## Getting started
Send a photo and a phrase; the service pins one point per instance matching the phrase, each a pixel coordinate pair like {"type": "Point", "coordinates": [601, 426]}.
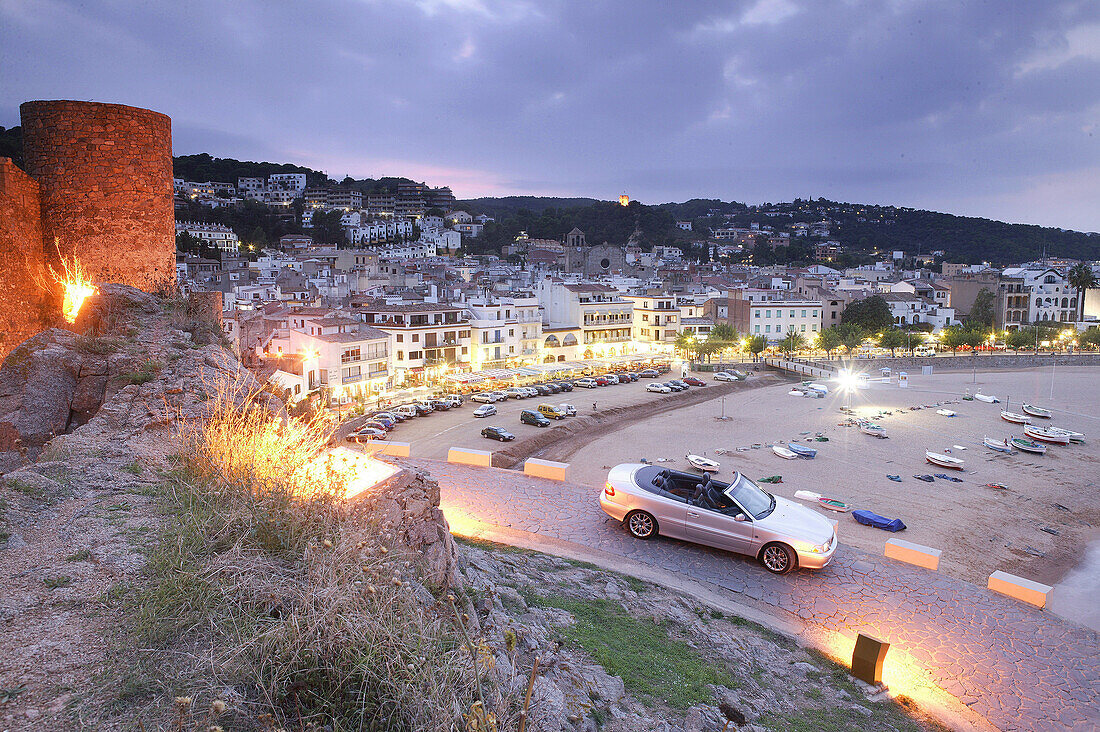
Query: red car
{"type": "Point", "coordinates": [692, 381]}
{"type": "Point", "coordinates": [601, 380]}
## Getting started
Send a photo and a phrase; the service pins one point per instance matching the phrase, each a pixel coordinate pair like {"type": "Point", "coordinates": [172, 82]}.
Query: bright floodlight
{"type": "Point", "coordinates": [847, 380]}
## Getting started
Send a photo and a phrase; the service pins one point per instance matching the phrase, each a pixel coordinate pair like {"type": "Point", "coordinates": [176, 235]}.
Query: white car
{"type": "Point", "coordinates": [568, 409]}
{"type": "Point", "coordinates": [483, 398]}
{"type": "Point", "coordinates": [724, 376]}
{"type": "Point", "coordinates": [485, 410]}
{"type": "Point", "coordinates": [530, 391]}
{"type": "Point", "coordinates": [658, 388]}
{"type": "Point", "coordinates": [500, 396]}
{"type": "Point", "coordinates": [517, 392]}
{"type": "Point", "coordinates": [586, 383]}
{"type": "Point", "coordinates": [453, 399]}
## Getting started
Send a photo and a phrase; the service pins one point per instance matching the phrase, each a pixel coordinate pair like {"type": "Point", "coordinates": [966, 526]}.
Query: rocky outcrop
{"type": "Point", "coordinates": [406, 508]}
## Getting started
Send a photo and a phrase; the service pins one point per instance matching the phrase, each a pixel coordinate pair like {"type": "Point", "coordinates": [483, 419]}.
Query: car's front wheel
{"type": "Point", "coordinates": [778, 558]}
{"type": "Point", "coordinates": [641, 525]}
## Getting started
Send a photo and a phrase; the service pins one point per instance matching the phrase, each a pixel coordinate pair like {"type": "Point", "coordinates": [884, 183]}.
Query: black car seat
{"type": "Point", "coordinates": [714, 499]}
{"type": "Point", "coordinates": [697, 496]}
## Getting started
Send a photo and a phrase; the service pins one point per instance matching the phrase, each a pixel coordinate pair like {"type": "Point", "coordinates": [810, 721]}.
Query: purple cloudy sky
{"type": "Point", "coordinates": [979, 108]}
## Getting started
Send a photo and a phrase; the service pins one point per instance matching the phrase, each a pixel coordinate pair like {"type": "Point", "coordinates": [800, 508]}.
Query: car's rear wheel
{"type": "Point", "coordinates": [641, 525]}
{"type": "Point", "coordinates": [778, 558]}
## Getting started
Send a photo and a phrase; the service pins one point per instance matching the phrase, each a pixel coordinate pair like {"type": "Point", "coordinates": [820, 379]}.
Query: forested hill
{"type": "Point", "coordinates": [203, 167]}
{"type": "Point", "coordinates": [860, 228]}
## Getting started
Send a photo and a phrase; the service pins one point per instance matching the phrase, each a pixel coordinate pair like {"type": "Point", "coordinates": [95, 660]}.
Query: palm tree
{"type": "Point", "coordinates": [685, 344]}
{"type": "Point", "coordinates": [1081, 278]}
{"type": "Point", "coordinates": [793, 341]}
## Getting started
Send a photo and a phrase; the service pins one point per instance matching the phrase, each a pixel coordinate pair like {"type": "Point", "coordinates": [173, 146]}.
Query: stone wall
{"type": "Point", "coordinates": [105, 173]}
{"type": "Point", "coordinates": [967, 362]}
{"type": "Point", "coordinates": [26, 302]}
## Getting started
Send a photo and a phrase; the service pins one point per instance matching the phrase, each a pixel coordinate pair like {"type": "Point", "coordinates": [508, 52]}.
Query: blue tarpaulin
{"type": "Point", "coordinates": [870, 518]}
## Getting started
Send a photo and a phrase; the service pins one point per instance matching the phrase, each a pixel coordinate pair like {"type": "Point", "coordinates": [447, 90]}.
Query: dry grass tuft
{"type": "Point", "coordinates": [266, 596]}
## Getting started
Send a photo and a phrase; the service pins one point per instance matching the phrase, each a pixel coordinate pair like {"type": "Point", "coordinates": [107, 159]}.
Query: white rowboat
{"type": "Point", "coordinates": [705, 464]}
{"type": "Point", "coordinates": [784, 453]}
{"type": "Point", "coordinates": [1015, 418]}
{"type": "Point", "coordinates": [998, 445]}
{"type": "Point", "coordinates": [1073, 436]}
{"type": "Point", "coordinates": [986, 398]}
{"type": "Point", "coordinates": [945, 412]}
{"type": "Point", "coordinates": [1036, 411]}
{"type": "Point", "coordinates": [870, 428]}
{"type": "Point", "coordinates": [944, 461]}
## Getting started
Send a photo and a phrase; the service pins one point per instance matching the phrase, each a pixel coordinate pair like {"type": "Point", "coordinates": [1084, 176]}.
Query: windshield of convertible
{"type": "Point", "coordinates": [752, 499]}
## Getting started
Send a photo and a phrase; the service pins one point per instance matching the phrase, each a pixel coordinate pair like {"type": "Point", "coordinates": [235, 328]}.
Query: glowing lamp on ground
{"type": "Point", "coordinates": [358, 471]}
{"type": "Point", "coordinates": [868, 657]}
{"type": "Point", "coordinates": [75, 285]}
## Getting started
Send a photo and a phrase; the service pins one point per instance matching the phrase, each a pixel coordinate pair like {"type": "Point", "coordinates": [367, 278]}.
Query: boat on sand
{"type": "Point", "coordinates": [998, 445]}
{"type": "Point", "coordinates": [986, 398]}
{"type": "Point", "coordinates": [802, 450]}
{"type": "Point", "coordinates": [944, 461]}
{"type": "Point", "coordinates": [1035, 411]}
{"type": "Point", "coordinates": [783, 452]}
{"type": "Point", "coordinates": [704, 464]}
{"type": "Point", "coordinates": [870, 428]}
{"type": "Point", "coordinates": [1015, 418]}
{"type": "Point", "coordinates": [1025, 445]}
{"type": "Point", "coordinates": [1047, 434]}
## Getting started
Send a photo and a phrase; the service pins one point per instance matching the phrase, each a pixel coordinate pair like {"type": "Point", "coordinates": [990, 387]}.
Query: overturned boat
{"type": "Point", "coordinates": [944, 461]}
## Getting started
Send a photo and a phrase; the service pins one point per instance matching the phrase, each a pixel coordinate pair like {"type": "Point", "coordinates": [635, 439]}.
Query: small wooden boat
{"type": "Point", "coordinates": [986, 398]}
{"type": "Point", "coordinates": [807, 495]}
{"type": "Point", "coordinates": [802, 450]}
{"type": "Point", "coordinates": [998, 486]}
{"type": "Point", "coordinates": [1047, 434]}
{"type": "Point", "coordinates": [870, 428]}
{"type": "Point", "coordinates": [1015, 418]}
{"type": "Point", "coordinates": [1026, 445]}
{"type": "Point", "coordinates": [783, 452]}
{"type": "Point", "coordinates": [1073, 436]}
{"type": "Point", "coordinates": [945, 412]}
{"type": "Point", "coordinates": [834, 504]}
{"type": "Point", "coordinates": [1035, 411]}
{"type": "Point", "coordinates": [704, 464]}
{"type": "Point", "coordinates": [944, 461]}
{"type": "Point", "coordinates": [998, 445]}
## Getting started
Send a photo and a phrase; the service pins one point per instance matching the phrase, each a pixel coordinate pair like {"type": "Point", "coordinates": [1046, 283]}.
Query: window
{"type": "Point", "coordinates": [400, 338]}
{"type": "Point", "coordinates": [803, 313]}
{"type": "Point", "coordinates": [464, 350]}
{"type": "Point", "coordinates": [416, 337]}
{"type": "Point", "coordinates": [803, 327]}
{"type": "Point", "coordinates": [767, 313]}
{"type": "Point", "coordinates": [413, 355]}
{"type": "Point", "coordinates": [400, 355]}
{"type": "Point", "coordinates": [813, 327]}
{"type": "Point", "coordinates": [767, 329]}
{"type": "Point", "coordinates": [757, 313]}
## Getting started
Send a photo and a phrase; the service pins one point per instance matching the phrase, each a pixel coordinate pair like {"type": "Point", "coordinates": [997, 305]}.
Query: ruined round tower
{"type": "Point", "coordinates": [105, 178]}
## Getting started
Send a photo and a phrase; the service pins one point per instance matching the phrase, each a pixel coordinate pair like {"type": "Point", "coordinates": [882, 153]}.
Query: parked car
{"type": "Point", "coordinates": [500, 395]}
{"type": "Point", "coordinates": [554, 388]}
{"type": "Point", "coordinates": [674, 386]}
{"type": "Point", "coordinates": [485, 410]}
{"type": "Point", "coordinates": [497, 433]}
{"type": "Point", "coordinates": [565, 385]}
{"type": "Point", "coordinates": [568, 409]}
{"type": "Point", "coordinates": [453, 399]}
{"type": "Point", "coordinates": [376, 425]}
{"type": "Point", "coordinates": [408, 410]}
{"type": "Point", "coordinates": [542, 389]}
{"type": "Point", "coordinates": [529, 417]}
{"type": "Point", "coordinates": [422, 408]}
{"type": "Point", "coordinates": [586, 383]}
{"type": "Point", "coordinates": [550, 411]}
{"type": "Point", "coordinates": [364, 434]}
{"type": "Point", "coordinates": [439, 405]}
{"type": "Point", "coordinates": [633, 376]}
{"type": "Point", "coordinates": [601, 380]}
{"type": "Point", "coordinates": [681, 382]}
{"type": "Point", "coordinates": [737, 516]}
{"type": "Point", "coordinates": [516, 392]}
{"type": "Point", "coordinates": [648, 374]}
{"type": "Point", "coordinates": [530, 391]}
{"type": "Point", "coordinates": [724, 376]}
{"type": "Point", "coordinates": [385, 418]}
{"type": "Point", "coordinates": [692, 381]}
{"type": "Point", "coordinates": [658, 387]}
{"type": "Point", "coordinates": [483, 398]}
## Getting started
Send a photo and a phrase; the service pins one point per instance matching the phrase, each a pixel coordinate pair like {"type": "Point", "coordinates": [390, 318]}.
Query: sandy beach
{"type": "Point", "coordinates": [1037, 528]}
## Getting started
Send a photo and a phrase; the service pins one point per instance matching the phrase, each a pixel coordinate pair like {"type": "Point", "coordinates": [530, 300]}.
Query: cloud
{"type": "Point", "coordinates": [973, 106]}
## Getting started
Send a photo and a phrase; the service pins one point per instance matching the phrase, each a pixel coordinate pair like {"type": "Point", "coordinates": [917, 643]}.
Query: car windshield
{"type": "Point", "coordinates": [757, 502]}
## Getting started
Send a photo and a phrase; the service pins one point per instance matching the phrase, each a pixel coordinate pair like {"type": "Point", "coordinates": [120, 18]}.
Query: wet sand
{"type": "Point", "coordinates": [979, 529]}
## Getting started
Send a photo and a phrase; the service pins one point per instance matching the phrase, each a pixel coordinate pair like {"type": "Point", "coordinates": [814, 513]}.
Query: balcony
{"type": "Point", "coordinates": [491, 341]}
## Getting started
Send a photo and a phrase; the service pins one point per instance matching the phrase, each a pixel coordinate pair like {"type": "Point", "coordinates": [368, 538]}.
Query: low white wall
{"type": "Point", "coordinates": [907, 551]}
{"type": "Point", "coordinates": [546, 469]}
{"type": "Point", "coordinates": [469, 456]}
{"type": "Point", "coordinates": [396, 449]}
{"type": "Point", "coordinates": [1033, 593]}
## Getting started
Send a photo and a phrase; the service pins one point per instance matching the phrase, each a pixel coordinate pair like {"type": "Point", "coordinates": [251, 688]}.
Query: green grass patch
{"type": "Point", "coordinates": [651, 663]}
{"type": "Point", "coordinates": [145, 374]}
{"type": "Point", "coordinates": [80, 555]}
{"type": "Point", "coordinates": [134, 468]}
{"type": "Point", "coordinates": [31, 491]}
{"type": "Point", "coordinates": [99, 345]}
{"type": "Point", "coordinates": [492, 546]}
{"type": "Point", "coordinates": [55, 582]}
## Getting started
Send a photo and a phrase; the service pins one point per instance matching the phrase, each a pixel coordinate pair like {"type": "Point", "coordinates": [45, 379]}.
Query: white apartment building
{"type": "Point", "coordinates": [426, 339]}
{"type": "Point", "coordinates": [288, 182]}
{"type": "Point", "coordinates": [216, 235]}
{"type": "Point", "coordinates": [775, 319]}
{"type": "Point", "coordinates": [410, 250]}
{"type": "Point", "coordinates": [378, 230]}
{"type": "Point", "coordinates": [907, 308]}
{"type": "Point", "coordinates": [605, 318]}
{"type": "Point", "coordinates": [505, 331]}
{"type": "Point", "coordinates": [323, 350]}
{"type": "Point", "coordinates": [655, 322]}
{"type": "Point", "coordinates": [1051, 297]}
{"type": "Point", "coordinates": [251, 187]}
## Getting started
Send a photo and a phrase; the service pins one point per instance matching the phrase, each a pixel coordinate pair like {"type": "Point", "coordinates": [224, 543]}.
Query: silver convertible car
{"type": "Point", "coordinates": [737, 516]}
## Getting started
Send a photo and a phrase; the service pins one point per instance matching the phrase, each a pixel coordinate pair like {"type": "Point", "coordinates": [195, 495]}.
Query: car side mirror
{"type": "Point", "coordinates": [740, 517]}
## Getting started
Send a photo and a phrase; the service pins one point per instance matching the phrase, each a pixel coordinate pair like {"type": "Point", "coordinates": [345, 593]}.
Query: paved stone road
{"type": "Point", "coordinates": [1018, 667]}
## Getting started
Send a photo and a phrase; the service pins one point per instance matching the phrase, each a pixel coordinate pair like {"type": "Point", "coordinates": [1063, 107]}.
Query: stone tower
{"type": "Point", "coordinates": [105, 177]}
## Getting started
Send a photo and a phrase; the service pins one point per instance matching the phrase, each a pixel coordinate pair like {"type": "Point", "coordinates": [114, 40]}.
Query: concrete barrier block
{"type": "Point", "coordinates": [907, 551]}
{"type": "Point", "coordinates": [1033, 593]}
{"type": "Point", "coordinates": [546, 469]}
{"type": "Point", "coordinates": [385, 447]}
{"type": "Point", "coordinates": [469, 456]}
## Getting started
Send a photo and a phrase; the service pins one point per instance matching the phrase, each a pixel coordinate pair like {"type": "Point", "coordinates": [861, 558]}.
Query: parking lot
{"type": "Point", "coordinates": [432, 435]}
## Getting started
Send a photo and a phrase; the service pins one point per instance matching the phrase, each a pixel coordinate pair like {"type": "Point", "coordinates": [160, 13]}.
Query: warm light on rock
{"type": "Point", "coordinates": [75, 286]}
{"type": "Point", "coordinates": [358, 472]}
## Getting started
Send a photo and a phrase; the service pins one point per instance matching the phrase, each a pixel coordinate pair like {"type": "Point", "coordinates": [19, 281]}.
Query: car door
{"type": "Point", "coordinates": [719, 529]}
